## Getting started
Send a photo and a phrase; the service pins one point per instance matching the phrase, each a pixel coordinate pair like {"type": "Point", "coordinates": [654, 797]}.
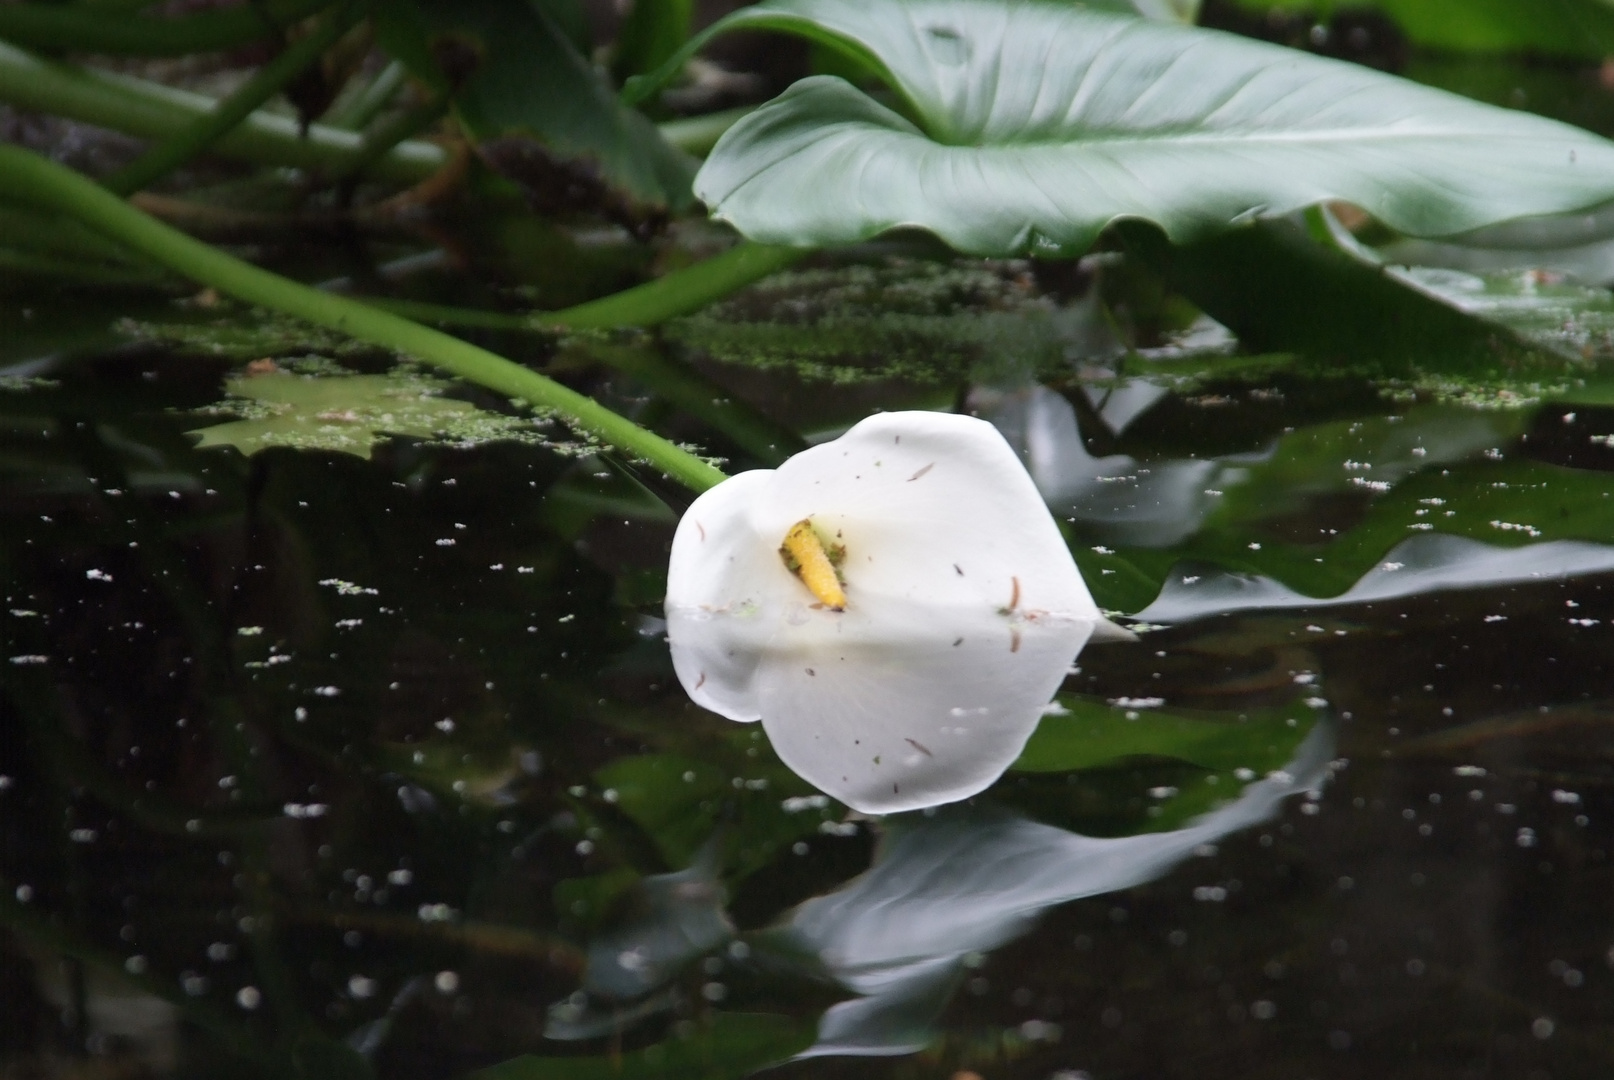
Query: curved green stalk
{"type": "Point", "coordinates": [698, 134]}
{"type": "Point", "coordinates": [354, 112]}
{"type": "Point", "coordinates": [680, 292]}
{"type": "Point", "coordinates": [153, 111]}
{"type": "Point", "coordinates": [380, 140]}
{"type": "Point", "coordinates": [204, 131]}
{"type": "Point", "coordinates": [28, 177]}
{"type": "Point", "coordinates": [62, 26]}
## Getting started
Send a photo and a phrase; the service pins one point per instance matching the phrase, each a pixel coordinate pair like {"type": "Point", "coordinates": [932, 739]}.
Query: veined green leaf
{"type": "Point", "coordinates": [1027, 127]}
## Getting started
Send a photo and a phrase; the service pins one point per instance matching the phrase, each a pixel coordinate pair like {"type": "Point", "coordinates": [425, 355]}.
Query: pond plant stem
{"type": "Point", "coordinates": [204, 131]}
{"type": "Point", "coordinates": [355, 113]}
{"type": "Point", "coordinates": [27, 177]}
{"type": "Point", "coordinates": [153, 111]}
{"type": "Point", "coordinates": [680, 292]}
{"type": "Point", "coordinates": [80, 28]}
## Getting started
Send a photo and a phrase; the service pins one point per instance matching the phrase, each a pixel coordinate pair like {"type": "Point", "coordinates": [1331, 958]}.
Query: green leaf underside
{"type": "Point", "coordinates": [1034, 125]}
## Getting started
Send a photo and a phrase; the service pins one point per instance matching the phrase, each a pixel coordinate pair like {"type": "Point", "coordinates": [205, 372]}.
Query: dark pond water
{"type": "Point", "coordinates": [317, 764]}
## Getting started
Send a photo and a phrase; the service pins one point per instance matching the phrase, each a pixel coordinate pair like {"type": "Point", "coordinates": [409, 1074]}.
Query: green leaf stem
{"type": "Point", "coordinates": [266, 82]}
{"type": "Point", "coordinates": [153, 111]}
{"type": "Point", "coordinates": [27, 177]}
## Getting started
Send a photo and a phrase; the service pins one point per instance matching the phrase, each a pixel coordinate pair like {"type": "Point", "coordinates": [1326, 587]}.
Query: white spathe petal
{"type": "Point", "coordinates": [722, 581]}
{"type": "Point", "coordinates": [964, 609]}
{"type": "Point", "coordinates": [930, 506]}
{"type": "Point", "coordinates": [904, 710]}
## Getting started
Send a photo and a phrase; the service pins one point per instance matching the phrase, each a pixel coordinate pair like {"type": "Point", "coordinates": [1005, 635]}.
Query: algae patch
{"type": "Point", "coordinates": [918, 322]}
{"type": "Point", "coordinates": [352, 413]}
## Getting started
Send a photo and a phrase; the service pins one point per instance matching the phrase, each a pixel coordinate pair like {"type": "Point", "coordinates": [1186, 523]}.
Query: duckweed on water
{"type": "Point", "coordinates": [918, 322]}
{"type": "Point", "coordinates": [312, 408]}
{"type": "Point", "coordinates": [227, 331]}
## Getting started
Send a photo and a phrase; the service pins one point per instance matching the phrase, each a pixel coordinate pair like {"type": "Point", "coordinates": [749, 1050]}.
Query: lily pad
{"type": "Point", "coordinates": [1000, 151]}
{"type": "Point", "coordinates": [352, 413]}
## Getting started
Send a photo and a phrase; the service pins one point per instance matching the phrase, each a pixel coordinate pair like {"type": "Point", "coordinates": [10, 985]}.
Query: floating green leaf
{"type": "Point", "coordinates": [998, 149]}
{"type": "Point", "coordinates": [351, 413]}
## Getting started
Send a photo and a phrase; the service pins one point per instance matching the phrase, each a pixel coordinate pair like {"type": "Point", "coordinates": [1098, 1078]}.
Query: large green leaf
{"type": "Point", "coordinates": [1029, 126]}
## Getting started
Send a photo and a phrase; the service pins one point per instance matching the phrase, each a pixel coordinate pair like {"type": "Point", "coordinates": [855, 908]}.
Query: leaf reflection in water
{"type": "Point", "coordinates": [944, 886]}
{"type": "Point", "coordinates": [963, 609]}
{"type": "Point", "coordinates": [1162, 503]}
{"type": "Point", "coordinates": [970, 880]}
{"type": "Point", "coordinates": [1421, 564]}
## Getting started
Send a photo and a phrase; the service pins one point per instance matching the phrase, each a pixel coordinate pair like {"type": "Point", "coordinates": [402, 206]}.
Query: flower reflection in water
{"type": "Point", "coordinates": [896, 606]}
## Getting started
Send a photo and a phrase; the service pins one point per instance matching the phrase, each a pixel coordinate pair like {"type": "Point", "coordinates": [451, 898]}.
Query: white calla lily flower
{"type": "Point", "coordinates": [896, 607]}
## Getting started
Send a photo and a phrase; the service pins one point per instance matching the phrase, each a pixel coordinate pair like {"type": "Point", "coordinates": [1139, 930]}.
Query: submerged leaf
{"type": "Point", "coordinates": [999, 150]}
